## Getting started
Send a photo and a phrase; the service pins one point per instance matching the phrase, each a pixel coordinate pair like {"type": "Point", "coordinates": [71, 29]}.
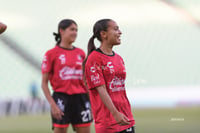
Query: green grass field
{"type": "Point", "coordinates": [166, 120]}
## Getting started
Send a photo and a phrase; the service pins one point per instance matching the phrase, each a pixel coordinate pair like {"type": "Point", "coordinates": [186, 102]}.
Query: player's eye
{"type": "Point", "coordinates": [116, 28]}
{"type": "Point", "coordinates": [74, 29]}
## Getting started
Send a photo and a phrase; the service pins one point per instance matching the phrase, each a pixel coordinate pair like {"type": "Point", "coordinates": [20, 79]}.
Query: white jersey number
{"type": "Point", "coordinates": [86, 115]}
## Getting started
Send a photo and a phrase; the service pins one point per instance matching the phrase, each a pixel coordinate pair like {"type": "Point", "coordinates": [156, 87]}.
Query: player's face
{"type": "Point", "coordinates": [113, 33]}
{"type": "Point", "coordinates": [70, 33]}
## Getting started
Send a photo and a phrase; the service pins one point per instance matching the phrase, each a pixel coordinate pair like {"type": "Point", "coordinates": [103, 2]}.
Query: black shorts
{"type": "Point", "coordinates": [129, 130]}
{"type": "Point", "coordinates": [76, 109]}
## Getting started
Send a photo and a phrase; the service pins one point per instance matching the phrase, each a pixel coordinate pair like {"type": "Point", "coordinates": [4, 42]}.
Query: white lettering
{"type": "Point", "coordinates": [95, 79]}
{"type": "Point", "coordinates": [117, 84]}
{"type": "Point", "coordinates": [70, 73]}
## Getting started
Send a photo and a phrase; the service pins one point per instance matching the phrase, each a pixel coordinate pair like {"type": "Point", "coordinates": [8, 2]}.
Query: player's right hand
{"type": "Point", "coordinates": [56, 112]}
{"type": "Point", "coordinates": [121, 119]}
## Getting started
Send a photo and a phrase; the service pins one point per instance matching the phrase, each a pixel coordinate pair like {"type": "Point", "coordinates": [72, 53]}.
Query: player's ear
{"type": "Point", "coordinates": [103, 34]}
{"type": "Point", "coordinates": [61, 31]}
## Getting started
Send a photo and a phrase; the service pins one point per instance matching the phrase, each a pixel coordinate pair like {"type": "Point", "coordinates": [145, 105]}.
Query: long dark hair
{"type": "Point", "coordinates": [63, 24]}
{"type": "Point", "coordinates": [99, 26]}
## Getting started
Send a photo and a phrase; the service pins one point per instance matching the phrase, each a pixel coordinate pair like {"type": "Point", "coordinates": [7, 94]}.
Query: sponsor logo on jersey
{"type": "Point", "coordinates": [95, 68]}
{"type": "Point", "coordinates": [117, 84]}
{"type": "Point", "coordinates": [45, 58]}
{"type": "Point", "coordinates": [44, 65]}
{"type": "Point", "coordinates": [62, 58]}
{"type": "Point", "coordinates": [87, 105]}
{"type": "Point", "coordinates": [110, 66]}
{"type": "Point", "coordinates": [79, 63]}
{"type": "Point", "coordinates": [92, 69]}
{"type": "Point", "coordinates": [67, 73]}
{"type": "Point", "coordinates": [95, 78]}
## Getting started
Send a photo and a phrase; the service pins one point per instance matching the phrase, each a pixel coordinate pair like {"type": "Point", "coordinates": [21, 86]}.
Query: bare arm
{"type": "Point", "coordinates": [119, 117]}
{"type": "Point", "coordinates": [56, 112]}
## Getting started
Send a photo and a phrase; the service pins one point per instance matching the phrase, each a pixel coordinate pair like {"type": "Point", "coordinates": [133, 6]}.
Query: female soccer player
{"type": "Point", "coordinates": [62, 66]}
{"type": "Point", "coordinates": [105, 75]}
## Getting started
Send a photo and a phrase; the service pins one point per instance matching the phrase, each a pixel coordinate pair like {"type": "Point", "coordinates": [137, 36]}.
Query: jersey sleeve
{"type": "Point", "coordinates": [122, 60]}
{"type": "Point", "coordinates": [94, 74]}
{"type": "Point", "coordinates": [47, 63]}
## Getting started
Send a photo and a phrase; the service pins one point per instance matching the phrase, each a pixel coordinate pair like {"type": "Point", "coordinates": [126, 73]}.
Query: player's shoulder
{"type": "Point", "coordinates": [52, 51]}
{"type": "Point", "coordinates": [118, 56]}
{"type": "Point", "coordinates": [94, 55]}
{"type": "Point", "coordinates": [79, 50]}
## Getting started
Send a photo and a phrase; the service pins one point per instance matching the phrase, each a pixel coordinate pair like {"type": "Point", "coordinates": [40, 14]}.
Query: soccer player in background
{"type": "Point", "coordinates": [105, 75]}
{"type": "Point", "coordinates": [2, 27]}
{"type": "Point", "coordinates": [62, 66]}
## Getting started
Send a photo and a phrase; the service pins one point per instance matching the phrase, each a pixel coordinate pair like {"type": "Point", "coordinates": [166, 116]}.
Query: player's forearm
{"type": "Point", "coordinates": [47, 94]}
{"type": "Point", "coordinates": [106, 99]}
{"type": "Point", "coordinates": [46, 90]}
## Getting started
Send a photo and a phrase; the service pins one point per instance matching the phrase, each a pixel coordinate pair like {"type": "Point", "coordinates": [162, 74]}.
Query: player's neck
{"type": "Point", "coordinates": [106, 49]}
{"type": "Point", "coordinates": [66, 45]}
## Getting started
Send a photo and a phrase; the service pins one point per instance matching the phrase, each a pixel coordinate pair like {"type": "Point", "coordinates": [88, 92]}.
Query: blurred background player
{"type": "Point", "coordinates": [62, 66]}
{"type": "Point", "coordinates": [105, 74]}
{"type": "Point", "coordinates": [3, 27]}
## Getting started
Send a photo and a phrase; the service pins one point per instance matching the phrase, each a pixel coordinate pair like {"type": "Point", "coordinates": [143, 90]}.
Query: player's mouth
{"type": "Point", "coordinates": [119, 38]}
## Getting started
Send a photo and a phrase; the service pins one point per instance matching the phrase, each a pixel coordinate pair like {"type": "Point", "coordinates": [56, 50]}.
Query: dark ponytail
{"type": "Point", "coordinates": [57, 38]}
{"type": "Point", "coordinates": [65, 23]}
{"type": "Point", "coordinates": [91, 45]}
{"type": "Point", "coordinates": [99, 26]}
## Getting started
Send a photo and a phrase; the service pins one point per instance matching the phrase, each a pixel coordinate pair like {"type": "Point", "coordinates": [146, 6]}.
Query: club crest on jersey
{"type": "Point", "coordinates": [62, 58]}
{"type": "Point", "coordinates": [79, 58]}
